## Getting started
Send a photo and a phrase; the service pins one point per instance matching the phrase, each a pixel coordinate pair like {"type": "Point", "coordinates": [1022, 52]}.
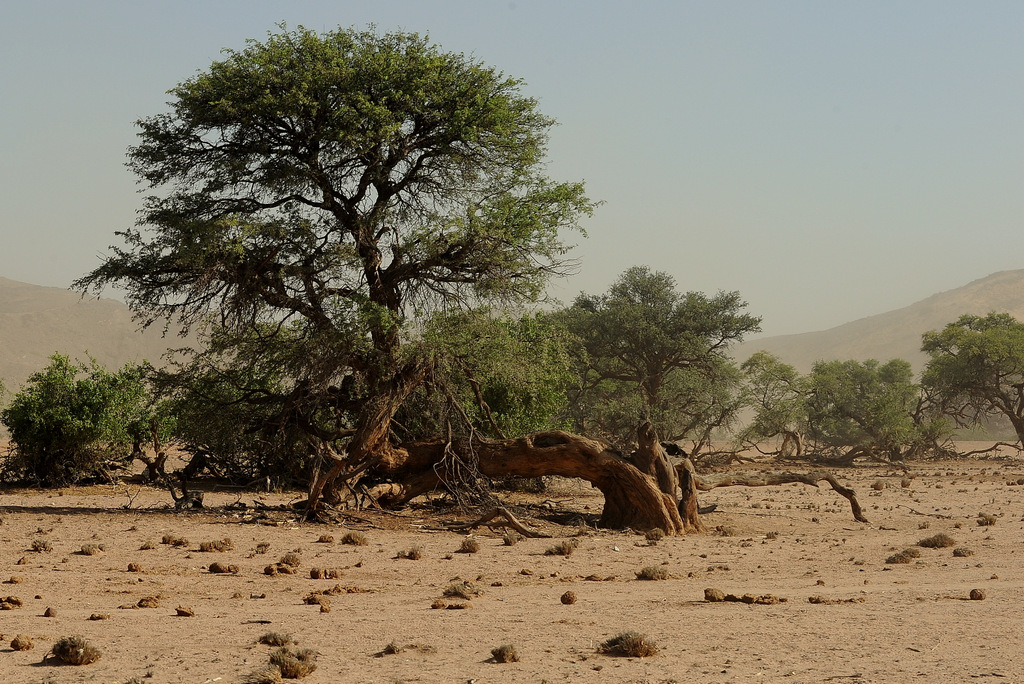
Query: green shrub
{"type": "Point", "coordinates": [75, 422]}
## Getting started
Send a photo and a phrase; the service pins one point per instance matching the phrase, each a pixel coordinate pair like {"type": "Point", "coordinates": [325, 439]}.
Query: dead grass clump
{"type": "Point", "coordinates": [469, 545]}
{"type": "Point", "coordinates": [261, 548]}
{"type": "Point", "coordinates": [652, 572]}
{"type": "Point", "coordinates": [505, 653]}
{"type": "Point", "coordinates": [220, 546]}
{"type": "Point", "coordinates": [903, 557]}
{"type": "Point", "coordinates": [173, 540]}
{"type": "Point", "coordinates": [147, 545]}
{"type": "Point", "coordinates": [631, 644]}
{"type": "Point", "coordinates": [566, 547]}
{"type": "Point", "coordinates": [22, 642]}
{"type": "Point", "coordinates": [725, 531]}
{"type": "Point", "coordinates": [219, 568]}
{"type": "Point", "coordinates": [415, 553]}
{"type": "Point", "coordinates": [325, 539]}
{"type": "Point", "coordinates": [268, 675]}
{"type": "Point", "coordinates": [276, 639]}
{"type": "Point", "coordinates": [462, 590]}
{"type": "Point", "coordinates": [986, 520]}
{"type": "Point", "coordinates": [41, 546]}
{"type": "Point", "coordinates": [354, 539]}
{"type": "Point", "coordinates": [511, 538]}
{"type": "Point", "coordinates": [75, 650]}
{"type": "Point", "coordinates": [90, 550]}
{"type": "Point", "coordinates": [294, 664]}
{"type": "Point", "coordinates": [10, 603]}
{"type": "Point", "coordinates": [938, 541]}
{"type": "Point", "coordinates": [772, 536]}
{"type": "Point", "coordinates": [962, 552]}
{"type": "Point", "coordinates": [654, 536]}
{"type": "Point", "coordinates": [291, 559]}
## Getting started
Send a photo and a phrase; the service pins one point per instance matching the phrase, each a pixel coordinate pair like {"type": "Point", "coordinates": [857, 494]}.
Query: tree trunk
{"type": "Point", "coordinates": [688, 509]}
{"type": "Point", "coordinates": [650, 458]}
{"type": "Point", "coordinates": [632, 499]}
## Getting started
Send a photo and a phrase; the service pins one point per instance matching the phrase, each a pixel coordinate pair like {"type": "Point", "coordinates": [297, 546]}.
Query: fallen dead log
{"type": "Point", "coordinates": [706, 483]}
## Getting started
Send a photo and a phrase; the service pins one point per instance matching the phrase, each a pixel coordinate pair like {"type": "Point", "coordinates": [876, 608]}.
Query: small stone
{"type": "Point", "coordinates": [185, 611]}
{"type": "Point", "coordinates": [50, 612]}
{"type": "Point", "coordinates": [977, 594]}
{"type": "Point", "coordinates": [569, 598]}
{"type": "Point", "coordinates": [714, 595]}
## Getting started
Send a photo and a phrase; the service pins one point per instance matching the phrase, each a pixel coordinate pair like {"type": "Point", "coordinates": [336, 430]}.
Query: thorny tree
{"type": "Point", "coordinates": [314, 193]}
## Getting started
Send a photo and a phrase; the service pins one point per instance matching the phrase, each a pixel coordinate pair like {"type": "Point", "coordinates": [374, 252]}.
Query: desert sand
{"type": "Point", "coordinates": [871, 621]}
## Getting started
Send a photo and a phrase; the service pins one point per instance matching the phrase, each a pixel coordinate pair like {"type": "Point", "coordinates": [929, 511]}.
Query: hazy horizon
{"type": "Point", "coordinates": [829, 161]}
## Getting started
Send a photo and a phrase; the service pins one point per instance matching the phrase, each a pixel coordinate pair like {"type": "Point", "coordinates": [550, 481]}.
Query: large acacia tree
{"type": "Point", "coordinates": [312, 194]}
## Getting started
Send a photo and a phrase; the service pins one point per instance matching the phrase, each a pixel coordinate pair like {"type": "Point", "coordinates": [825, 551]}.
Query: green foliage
{"type": "Point", "coordinates": [650, 352]}
{"type": "Point", "coordinates": [870, 409]}
{"type": "Point", "coordinates": [508, 376]}
{"type": "Point", "coordinates": [72, 422]}
{"type": "Point", "coordinates": [976, 369]}
{"type": "Point", "coordinates": [317, 194]}
{"type": "Point", "coordinates": [777, 394]}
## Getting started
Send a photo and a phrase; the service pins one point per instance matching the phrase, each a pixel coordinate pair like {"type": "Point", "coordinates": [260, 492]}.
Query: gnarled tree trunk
{"type": "Point", "coordinates": [632, 498]}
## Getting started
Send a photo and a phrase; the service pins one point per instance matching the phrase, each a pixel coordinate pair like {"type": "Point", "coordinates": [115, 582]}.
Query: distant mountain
{"type": "Point", "coordinates": [896, 334]}
{"type": "Point", "coordinates": [37, 321]}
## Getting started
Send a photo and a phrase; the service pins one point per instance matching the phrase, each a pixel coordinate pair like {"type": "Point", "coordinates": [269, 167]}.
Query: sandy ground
{"type": "Point", "coordinates": [890, 623]}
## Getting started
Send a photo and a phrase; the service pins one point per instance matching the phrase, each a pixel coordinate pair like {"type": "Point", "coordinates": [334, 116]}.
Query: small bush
{"type": "Point", "coordinates": [90, 550]}
{"type": "Point", "coordinates": [463, 590]}
{"type": "Point", "coordinates": [75, 650]}
{"type": "Point", "coordinates": [268, 675]}
{"type": "Point", "coordinates": [148, 545]}
{"type": "Point", "coordinates": [294, 664]}
{"type": "Point", "coordinates": [654, 536]}
{"type": "Point", "coordinates": [986, 520]}
{"type": "Point", "coordinates": [221, 546]}
{"type": "Point", "coordinates": [962, 552]}
{"type": "Point", "coordinates": [469, 545]}
{"type": "Point", "coordinates": [903, 557]}
{"type": "Point", "coordinates": [631, 644]}
{"type": "Point", "coordinates": [511, 538]}
{"type": "Point", "coordinates": [218, 568]}
{"type": "Point", "coordinates": [291, 559]}
{"type": "Point", "coordinates": [325, 539]}
{"type": "Point", "coordinates": [41, 546]}
{"type": "Point", "coordinates": [566, 547]}
{"type": "Point", "coordinates": [276, 639]}
{"type": "Point", "coordinates": [939, 541]}
{"type": "Point", "coordinates": [173, 540]}
{"type": "Point", "coordinates": [505, 654]}
{"type": "Point", "coordinates": [261, 548]}
{"type": "Point", "coordinates": [652, 572]}
{"type": "Point", "coordinates": [415, 553]}
{"type": "Point", "coordinates": [354, 539]}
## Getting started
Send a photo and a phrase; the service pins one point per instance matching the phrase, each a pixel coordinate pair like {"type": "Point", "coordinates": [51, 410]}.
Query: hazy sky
{"type": "Point", "coordinates": [829, 160]}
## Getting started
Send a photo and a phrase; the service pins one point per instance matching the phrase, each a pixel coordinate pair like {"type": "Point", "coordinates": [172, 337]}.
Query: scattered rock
{"type": "Point", "coordinates": [977, 594]}
{"type": "Point", "coordinates": [569, 598]}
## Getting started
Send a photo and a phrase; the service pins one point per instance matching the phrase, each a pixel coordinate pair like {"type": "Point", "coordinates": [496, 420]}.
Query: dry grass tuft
{"type": "Point", "coordinates": [938, 541]}
{"type": "Point", "coordinates": [354, 539]}
{"type": "Point", "coordinates": [903, 557]}
{"type": "Point", "coordinates": [148, 545]}
{"type": "Point", "coordinates": [325, 539]}
{"type": "Point", "coordinates": [41, 545]}
{"type": "Point", "coordinates": [631, 644]}
{"type": "Point", "coordinates": [261, 548]}
{"type": "Point", "coordinates": [962, 552]}
{"type": "Point", "coordinates": [469, 545]}
{"type": "Point", "coordinates": [22, 642]}
{"type": "Point", "coordinates": [652, 572]}
{"type": "Point", "coordinates": [462, 590]}
{"type": "Point", "coordinates": [566, 547]}
{"type": "Point", "coordinates": [415, 553]}
{"type": "Point", "coordinates": [986, 520]}
{"type": "Point", "coordinates": [219, 568]}
{"type": "Point", "coordinates": [220, 546]}
{"type": "Point", "coordinates": [511, 538]}
{"type": "Point", "coordinates": [75, 650]}
{"type": "Point", "coordinates": [291, 559]}
{"type": "Point", "coordinates": [276, 639]}
{"type": "Point", "coordinates": [294, 664]}
{"type": "Point", "coordinates": [268, 675]}
{"type": "Point", "coordinates": [505, 653]}
{"type": "Point", "coordinates": [654, 536]}
{"type": "Point", "coordinates": [173, 540]}
{"type": "Point", "coordinates": [90, 550]}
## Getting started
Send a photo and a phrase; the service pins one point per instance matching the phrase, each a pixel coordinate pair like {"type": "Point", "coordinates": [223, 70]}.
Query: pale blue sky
{"type": "Point", "coordinates": [829, 160]}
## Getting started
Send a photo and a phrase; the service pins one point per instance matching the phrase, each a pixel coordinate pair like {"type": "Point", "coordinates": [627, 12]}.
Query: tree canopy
{"type": "Point", "coordinates": [976, 369]}
{"type": "Point", "coordinates": [651, 352]}
{"type": "Point", "coordinates": [312, 194]}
